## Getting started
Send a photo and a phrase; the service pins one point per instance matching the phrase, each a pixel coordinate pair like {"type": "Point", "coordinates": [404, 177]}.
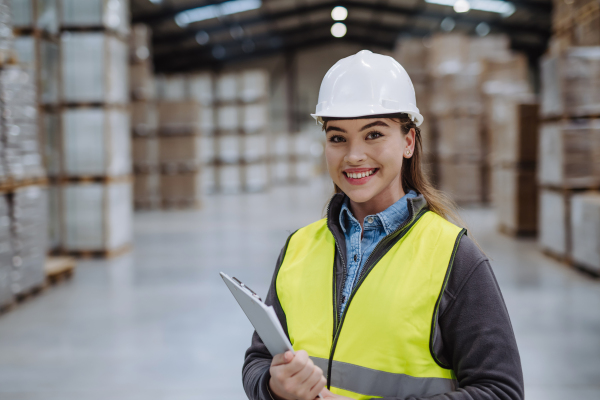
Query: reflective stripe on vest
{"type": "Point", "coordinates": [381, 347]}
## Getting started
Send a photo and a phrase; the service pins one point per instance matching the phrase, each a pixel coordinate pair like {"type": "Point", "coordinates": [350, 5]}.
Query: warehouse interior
{"type": "Point", "coordinates": [147, 145]}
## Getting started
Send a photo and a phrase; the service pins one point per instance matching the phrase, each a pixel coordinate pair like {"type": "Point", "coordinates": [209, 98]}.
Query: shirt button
{"type": "Point", "coordinates": [355, 258]}
{"type": "Point", "coordinates": [370, 220]}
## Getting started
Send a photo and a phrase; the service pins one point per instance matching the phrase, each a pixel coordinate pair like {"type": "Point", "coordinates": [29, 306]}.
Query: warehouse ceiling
{"type": "Point", "coordinates": [285, 26]}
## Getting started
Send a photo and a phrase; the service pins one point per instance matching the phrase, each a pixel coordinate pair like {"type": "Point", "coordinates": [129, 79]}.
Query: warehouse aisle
{"type": "Point", "coordinates": [159, 323]}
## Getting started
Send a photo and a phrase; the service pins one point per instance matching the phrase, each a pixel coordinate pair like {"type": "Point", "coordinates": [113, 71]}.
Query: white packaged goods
{"type": "Point", "coordinates": [227, 87]}
{"type": "Point", "coordinates": [6, 254]}
{"type": "Point", "coordinates": [280, 145]}
{"type": "Point", "coordinates": [228, 148]}
{"type": "Point", "coordinates": [29, 240]}
{"type": "Point", "coordinates": [95, 68]}
{"type": "Point", "coordinates": [256, 177]}
{"type": "Point", "coordinates": [585, 228]}
{"type": "Point", "coordinates": [141, 79]}
{"type": "Point", "coordinates": [448, 53]}
{"type": "Point", "coordinates": [50, 138]}
{"type": "Point", "coordinates": [200, 88]}
{"type": "Point", "coordinates": [54, 229]}
{"type": "Point", "coordinates": [144, 118]}
{"type": "Point", "coordinates": [97, 216]}
{"type": "Point", "coordinates": [208, 180]}
{"type": "Point", "coordinates": [181, 189]}
{"type": "Point", "coordinates": [281, 171]}
{"type": "Point", "coordinates": [554, 229]}
{"type": "Point", "coordinates": [96, 142]}
{"type": "Point", "coordinates": [301, 143]}
{"type": "Point", "coordinates": [26, 52]}
{"type": "Point", "coordinates": [506, 76]}
{"type": "Point", "coordinates": [183, 118]}
{"type": "Point", "coordinates": [6, 28]}
{"type": "Point", "coordinates": [411, 53]}
{"type": "Point", "coordinates": [229, 178]}
{"type": "Point", "coordinates": [254, 85]}
{"type": "Point", "coordinates": [462, 181]}
{"type": "Point", "coordinates": [228, 118]}
{"type": "Point", "coordinates": [146, 190]}
{"type": "Point", "coordinates": [570, 83]}
{"type": "Point", "coordinates": [40, 14]}
{"type": "Point", "coordinates": [460, 138]}
{"type": "Point", "coordinates": [514, 130]}
{"type": "Point", "coordinates": [569, 154]}
{"type": "Point", "coordinates": [207, 149]}
{"type": "Point", "coordinates": [180, 153]}
{"type": "Point", "coordinates": [515, 200]}
{"type": "Point", "coordinates": [111, 14]}
{"type": "Point", "coordinates": [254, 147]}
{"type": "Point", "coordinates": [172, 88]}
{"type": "Point", "coordinates": [45, 67]}
{"type": "Point", "coordinates": [22, 155]}
{"type": "Point", "coordinates": [255, 117]}
{"type": "Point", "coordinates": [145, 153]}
{"type": "Point", "coordinates": [140, 42]}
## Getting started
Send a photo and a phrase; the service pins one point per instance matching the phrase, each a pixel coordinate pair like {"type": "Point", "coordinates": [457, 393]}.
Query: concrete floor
{"type": "Point", "coordinates": [160, 324]}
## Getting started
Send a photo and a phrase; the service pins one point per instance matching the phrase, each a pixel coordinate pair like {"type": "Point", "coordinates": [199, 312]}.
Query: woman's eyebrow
{"type": "Point", "coordinates": [334, 128]}
{"type": "Point", "coordinates": [372, 124]}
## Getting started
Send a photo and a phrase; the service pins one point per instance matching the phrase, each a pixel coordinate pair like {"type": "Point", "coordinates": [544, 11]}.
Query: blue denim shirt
{"type": "Point", "coordinates": [376, 228]}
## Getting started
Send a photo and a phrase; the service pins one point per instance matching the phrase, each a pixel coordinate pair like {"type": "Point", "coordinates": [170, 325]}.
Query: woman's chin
{"type": "Point", "coordinates": [361, 195]}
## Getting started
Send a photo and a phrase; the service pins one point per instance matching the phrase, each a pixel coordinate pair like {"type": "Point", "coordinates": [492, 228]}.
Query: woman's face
{"type": "Point", "coordinates": [364, 157]}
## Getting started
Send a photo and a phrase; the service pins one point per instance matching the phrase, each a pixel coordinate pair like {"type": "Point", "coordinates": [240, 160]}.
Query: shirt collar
{"type": "Point", "coordinates": [391, 218]}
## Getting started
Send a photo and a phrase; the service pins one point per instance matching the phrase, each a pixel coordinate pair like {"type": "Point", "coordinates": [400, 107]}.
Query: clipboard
{"type": "Point", "coordinates": [262, 316]}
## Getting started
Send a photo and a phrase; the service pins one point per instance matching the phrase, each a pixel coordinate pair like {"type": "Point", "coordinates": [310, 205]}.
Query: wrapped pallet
{"type": "Point", "coordinates": [6, 254]}
{"type": "Point", "coordinates": [182, 190]}
{"type": "Point", "coordinates": [184, 118]}
{"type": "Point", "coordinates": [256, 176]}
{"type": "Point", "coordinates": [96, 142]}
{"type": "Point", "coordinates": [229, 178]}
{"type": "Point", "coordinates": [207, 149]}
{"type": "Point", "coordinates": [227, 87]}
{"type": "Point", "coordinates": [50, 138]}
{"type": "Point", "coordinates": [585, 228]}
{"type": "Point", "coordinates": [281, 171]}
{"type": "Point", "coordinates": [208, 181]}
{"type": "Point", "coordinates": [228, 119]}
{"type": "Point", "coordinates": [253, 85]}
{"type": "Point", "coordinates": [29, 240]}
{"type": "Point", "coordinates": [54, 218]}
{"type": "Point", "coordinates": [569, 154]}
{"type": "Point", "coordinates": [229, 148]}
{"type": "Point", "coordinates": [180, 153]}
{"type": "Point", "coordinates": [462, 181]}
{"type": "Point", "coordinates": [97, 216]}
{"type": "Point", "coordinates": [460, 138]}
{"type": "Point", "coordinates": [41, 58]}
{"type": "Point", "coordinates": [514, 126]}
{"type": "Point", "coordinates": [96, 14]}
{"type": "Point", "coordinates": [6, 32]}
{"type": "Point", "coordinates": [254, 117]}
{"type": "Point", "coordinates": [140, 41]}
{"type": "Point", "coordinates": [254, 147]}
{"type": "Point", "coordinates": [570, 83]}
{"type": "Point", "coordinates": [22, 155]}
{"type": "Point", "coordinates": [142, 82]}
{"type": "Point", "coordinates": [144, 118]}
{"type": "Point", "coordinates": [554, 225]}
{"type": "Point", "coordinates": [146, 190]}
{"type": "Point", "coordinates": [172, 88]}
{"type": "Point", "coordinates": [200, 88]}
{"type": "Point", "coordinates": [515, 200]}
{"type": "Point", "coordinates": [95, 68]}
{"type": "Point", "coordinates": [35, 14]}
{"type": "Point", "coordinates": [146, 156]}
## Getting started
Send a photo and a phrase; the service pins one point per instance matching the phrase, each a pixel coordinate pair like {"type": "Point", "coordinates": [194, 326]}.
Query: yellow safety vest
{"type": "Point", "coordinates": [380, 345]}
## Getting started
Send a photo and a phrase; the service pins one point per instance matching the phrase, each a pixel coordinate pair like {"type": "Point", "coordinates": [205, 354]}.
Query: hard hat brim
{"type": "Point", "coordinates": [416, 117]}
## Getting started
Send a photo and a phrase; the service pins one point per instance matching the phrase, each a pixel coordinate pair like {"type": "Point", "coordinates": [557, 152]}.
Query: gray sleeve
{"type": "Point", "coordinates": [476, 338]}
{"type": "Point", "coordinates": [255, 372]}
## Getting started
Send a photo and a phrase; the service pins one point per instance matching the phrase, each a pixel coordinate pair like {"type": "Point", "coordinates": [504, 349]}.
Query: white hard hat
{"type": "Point", "coordinates": [367, 84]}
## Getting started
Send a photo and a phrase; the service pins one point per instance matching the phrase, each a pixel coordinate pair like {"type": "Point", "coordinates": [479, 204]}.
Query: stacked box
{"type": "Point", "coordinates": [554, 222]}
{"type": "Point", "coordinates": [576, 23]}
{"type": "Point", "coordinates": [144, 120]}
{"type": "Point", "coordinates": [95, 141]}
{"type": "Point", "coordinates": [6, 254]}
{"type": "Point", "coordinates": [35, 15]}
{"type": "Point", "coordinates": [281, 154]}
{"type": "Point", "coordinates": [585, 225]}
{"type": "Point", "coordinates": [6, 32]}
{"type": "Point", "coordinates": [29, 238]}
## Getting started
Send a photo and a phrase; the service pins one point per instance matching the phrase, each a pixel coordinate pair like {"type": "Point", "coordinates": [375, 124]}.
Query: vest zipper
{"type": "Point", "coordinates": [338, 325]}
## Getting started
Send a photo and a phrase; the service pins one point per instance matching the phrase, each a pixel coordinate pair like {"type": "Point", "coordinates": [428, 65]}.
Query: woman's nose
{"type": "Point", "coordinates": [356, 154]}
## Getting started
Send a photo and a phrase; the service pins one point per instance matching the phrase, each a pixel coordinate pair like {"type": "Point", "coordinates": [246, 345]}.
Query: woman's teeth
{"type": "Point", "coordinates": [360, 174]}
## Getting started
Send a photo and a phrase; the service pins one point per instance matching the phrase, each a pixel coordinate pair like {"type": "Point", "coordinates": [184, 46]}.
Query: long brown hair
{"type": "Point", "coordinates": [413, 175]}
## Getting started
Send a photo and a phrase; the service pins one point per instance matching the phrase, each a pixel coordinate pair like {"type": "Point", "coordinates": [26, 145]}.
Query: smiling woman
{"type": "Point", "coordinates": [384, 297]}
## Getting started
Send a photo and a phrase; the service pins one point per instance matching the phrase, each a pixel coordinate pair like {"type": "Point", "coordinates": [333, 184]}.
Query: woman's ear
{"type": "Point", "coordinates": [410, 141]}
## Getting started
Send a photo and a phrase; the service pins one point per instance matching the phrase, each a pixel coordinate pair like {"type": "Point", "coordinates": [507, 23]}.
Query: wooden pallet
{"type": "Point", "coordinates": [59, 268]}
{"type": "Point", "coordinates": [7, 307]}
{"type": "Point", "coordinates": [96, 254]}
{"type": "Point", "coordinates": [30, 293]}
{"type": "Point", "coordinates": [562, 258]}
{"type": "Point", "coordinates": [514, 232]}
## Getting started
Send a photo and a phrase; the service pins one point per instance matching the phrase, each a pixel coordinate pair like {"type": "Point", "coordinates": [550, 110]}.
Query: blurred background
{"type": "Point", "coordinates": [146, 145]}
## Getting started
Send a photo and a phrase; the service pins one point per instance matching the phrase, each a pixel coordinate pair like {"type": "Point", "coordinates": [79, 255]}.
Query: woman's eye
{"type": "Point", "coordinates": [337, 139]}
{"type": "Point", "coordinates": [374, 135]}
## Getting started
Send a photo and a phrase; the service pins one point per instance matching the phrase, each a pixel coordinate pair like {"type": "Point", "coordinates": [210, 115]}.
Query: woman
{"type": "Point", "coordinates": [384, 297]}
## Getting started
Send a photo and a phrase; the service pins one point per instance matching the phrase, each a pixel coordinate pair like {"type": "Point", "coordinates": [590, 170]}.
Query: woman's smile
{"type": "Point", "coordinates": [359, 176]}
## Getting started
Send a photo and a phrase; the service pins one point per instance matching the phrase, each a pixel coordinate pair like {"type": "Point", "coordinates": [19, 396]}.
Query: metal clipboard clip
{"type": "Point", "coordinates": [246, 287]}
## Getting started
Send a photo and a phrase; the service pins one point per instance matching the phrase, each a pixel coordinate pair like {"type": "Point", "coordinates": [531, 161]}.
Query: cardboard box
{"type": "Point", "coordinates": [462, 181]}
{"type": "Point", "coordinates": [184, 118]}
{"type": "Point", "coordinates": [227, 87]}
{"type": "Point", "coordinates": [256, 177]}
{"type": "Point", "coordinates": [254, 147]}
{"type": "Point", "coordinates": [229, 179]}
{"type": "Point", "coordinates": [146, 153]}
{"type": "Point", "coordinates": [460, 138]}
{"type": "Point", "coordinates": [254, 85]}
{"type": "Point", "coordinates": [6, 253]}
{"type": "Point", "coordinates": [514, 127]}
{"type": "Point", "coordinates": [585, 228]}
{"type": "Point", "coordinates": [554, 222]}
{"type": "Point", "coordinates": [146, 190]}
{"type": "Point", "coordinates": [515, 200]}
{"type": "Point", "coordinates": [180, 153]}
{"type": "Point", "coordinates": [181, 190]}
{"type": "Point", "coordinates": [229, 148]}
{"type": "Point", "coordinates": [144, 118]}
{"type": "Point", "coordinates": [109, 14]}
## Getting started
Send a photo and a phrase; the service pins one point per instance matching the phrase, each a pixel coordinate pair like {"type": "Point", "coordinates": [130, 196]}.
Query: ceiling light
{"type": "Point", "coordinates": [339, 13]}
{"type": "Point", "coordinates": [462, 6]}
{"type": "Point", "coordinates": [496, 6]}
{"type": "Point", "coordinates": [482, 29]}
{"type": "Point", "coordinates": [156, 1]}
{"type": "Point", "coordinates": [216, 10]}
{"type": "Point", "coordinates": [338, 29]}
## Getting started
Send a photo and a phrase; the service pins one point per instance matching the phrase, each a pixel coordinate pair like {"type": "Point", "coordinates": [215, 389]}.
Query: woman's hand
{"type": "Point", "coordinates": [327, 395]}
{"type": "Point", "coordinates": [295, 377]}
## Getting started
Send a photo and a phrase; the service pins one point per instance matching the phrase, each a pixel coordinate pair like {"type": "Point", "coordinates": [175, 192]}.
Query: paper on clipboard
{"type": "Point", "coordinates": [262, 317]}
